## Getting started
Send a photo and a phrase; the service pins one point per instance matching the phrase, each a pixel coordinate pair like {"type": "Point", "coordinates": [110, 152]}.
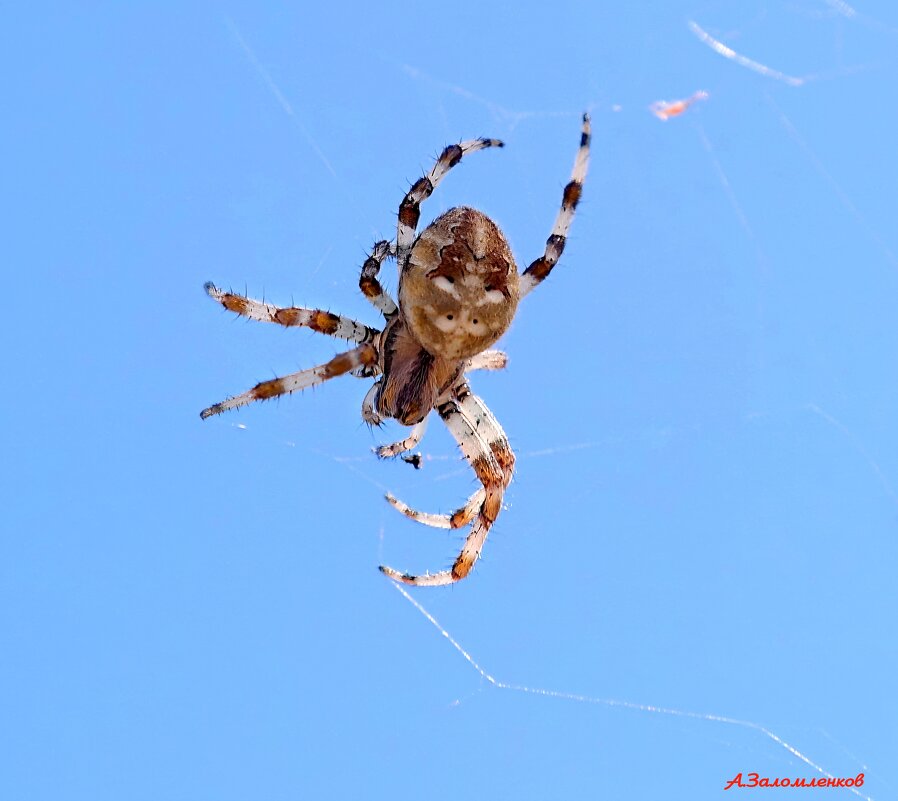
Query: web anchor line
{"type": "Point", "coordinates": [612, 702]}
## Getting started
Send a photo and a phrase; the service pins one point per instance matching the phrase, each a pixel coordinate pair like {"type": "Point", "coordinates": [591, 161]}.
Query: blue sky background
{"type": "Point", "coordinates": [703, 397]}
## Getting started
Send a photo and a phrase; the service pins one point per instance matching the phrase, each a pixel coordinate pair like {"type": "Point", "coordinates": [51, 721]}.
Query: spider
{"type": "Point", "coordinates": [459, 289]}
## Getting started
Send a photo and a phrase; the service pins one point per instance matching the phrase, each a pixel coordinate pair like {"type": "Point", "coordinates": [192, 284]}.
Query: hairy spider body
{"type": "Point", "coordinates": [459, 290]}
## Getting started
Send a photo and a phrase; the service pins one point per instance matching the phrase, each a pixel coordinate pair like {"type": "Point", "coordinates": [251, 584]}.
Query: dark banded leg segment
{"type": "Point", "coordinates": [362, 356]}
{"type": "Point", "coordinates": [541, 268]}
{"type": "Point", "coordinates": [490, 474]}
{"type": "Point", "coordinates": [324, 322]}
{"type": "Point", "coordinates": [369, 284]}
{"type": "Point", "coordinates": [410, 207]}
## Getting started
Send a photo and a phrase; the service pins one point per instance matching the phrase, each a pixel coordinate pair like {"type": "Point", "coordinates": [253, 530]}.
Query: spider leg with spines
{"type": "Point", "coordinates": [491, 474]}
{"type": "Point", "coordinates": [488, 427]}
{"type": "Point", "coordinates": [458, 519]}
{"type": "Point", "coordinates": [364, 355]}
{"type": "Point", "coordinates": [540, 269]}
{"type": "Point", "coordinates": [324, 322]}
{"type": "Point", "coordinates": [486, 424]}
{"type": "Point", "coordinates": [368, 283]}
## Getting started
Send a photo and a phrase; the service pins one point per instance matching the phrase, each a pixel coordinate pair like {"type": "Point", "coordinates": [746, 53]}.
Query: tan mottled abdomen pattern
{"type": "Point", "coordinates": [460, 290]}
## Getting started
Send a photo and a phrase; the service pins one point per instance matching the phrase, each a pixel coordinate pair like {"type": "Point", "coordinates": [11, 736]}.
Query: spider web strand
{"type": "Point", "coordinates": [612, 702]}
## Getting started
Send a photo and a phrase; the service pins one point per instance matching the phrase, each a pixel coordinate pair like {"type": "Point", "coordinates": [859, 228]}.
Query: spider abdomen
{"type": "Point", "coordinates": [460, 289]}
{"type": "Point", "coordinates": [413, 378]}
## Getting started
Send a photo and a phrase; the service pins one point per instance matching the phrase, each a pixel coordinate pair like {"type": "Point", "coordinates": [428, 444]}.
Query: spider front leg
{"type": "Point", "coordinates": [541, 268]}
{"type": "Point", "coordinates": [362, 356]}
{"type": "Point", "coordinates": [324, 322]}
{"type": "Point", "coordinates": [491, 475]}
{"type": "Point", "coordinates": [410, 207]}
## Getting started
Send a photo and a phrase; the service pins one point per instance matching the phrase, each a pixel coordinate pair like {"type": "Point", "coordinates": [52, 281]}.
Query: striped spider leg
{"type": "Point", "coordinates": [458, 519]}
{"type": "Point", "coordinates": [491, 474]}
{"type": "Point", "coordinates": [541, 268]}
{"type": "Point", "coordinates": [485, 423]}
{"type": "Point", "coordinates": [369, 284]}
{"type": "Point", "coordinates": [365, 355]}
{"type": "Point", "coordinates": [324, 322]}
{"type": "Point", "coordinates": [358, 360]}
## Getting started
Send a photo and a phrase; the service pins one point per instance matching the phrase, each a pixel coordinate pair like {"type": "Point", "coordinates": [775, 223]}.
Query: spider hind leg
{"type": "Point", "coordinates": [486, 503]}
{"type": "Point", "coordinates": [458, 519]}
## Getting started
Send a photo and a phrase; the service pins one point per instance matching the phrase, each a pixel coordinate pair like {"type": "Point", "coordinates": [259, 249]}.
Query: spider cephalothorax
{"type": "Point", "coordinates": [459, 290]}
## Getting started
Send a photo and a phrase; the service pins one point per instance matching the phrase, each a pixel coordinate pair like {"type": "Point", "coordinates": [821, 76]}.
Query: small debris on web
{"type": "Point", "coordinates": [415, 460]}
{"type": "Point", "coordinates": [665, 109]}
